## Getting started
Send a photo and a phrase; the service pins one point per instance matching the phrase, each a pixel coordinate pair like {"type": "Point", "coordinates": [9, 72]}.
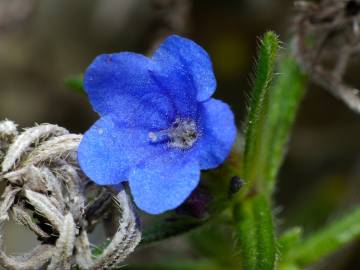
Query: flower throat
{"type": "Point", "coordinates": [182, 134]}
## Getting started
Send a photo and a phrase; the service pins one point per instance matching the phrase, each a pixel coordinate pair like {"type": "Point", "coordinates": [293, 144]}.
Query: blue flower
{"type": "Point", "coordinates": [159, 125]}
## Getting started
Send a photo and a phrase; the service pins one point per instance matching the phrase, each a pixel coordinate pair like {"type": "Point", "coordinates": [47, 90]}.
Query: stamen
{"type": "Point", "coordinates": [182, 134]}
{"type": "Point", "coordinates": [153, 137]}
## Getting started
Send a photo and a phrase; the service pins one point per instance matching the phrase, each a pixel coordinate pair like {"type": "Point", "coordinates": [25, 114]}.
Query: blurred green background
{"type": "Point", "coordinates": [42, 42]}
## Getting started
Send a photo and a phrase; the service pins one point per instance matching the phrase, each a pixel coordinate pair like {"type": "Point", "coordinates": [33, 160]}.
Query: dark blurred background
{"type": "Point", "coordinates": [42, 42]}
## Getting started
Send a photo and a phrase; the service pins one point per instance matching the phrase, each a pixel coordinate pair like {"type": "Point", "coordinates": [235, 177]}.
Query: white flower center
{"type": "Point", "coordinates": [182, 134]}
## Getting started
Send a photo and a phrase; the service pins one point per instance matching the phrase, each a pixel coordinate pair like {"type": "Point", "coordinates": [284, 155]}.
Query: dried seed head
{"type": "Point", "coordinates": [7, 129]}
{"type": "Point", "coordinates": [62, 258]}
{"type": "Point", "coordinates": [47, 192]}
{"type": "Point", "coordinates": [125, 239]}
{"type": "Point", "coordinates": [333, 28]}
{"type": "Point", "coordinates": [24, 141]}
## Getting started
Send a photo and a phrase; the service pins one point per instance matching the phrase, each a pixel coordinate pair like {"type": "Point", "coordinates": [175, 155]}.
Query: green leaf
{"type": "Point", "coordinates": [288, 267]}
{"type": "Point", "coordinates": [169, 228]}
{"type": "Point", "coordinates": [75, 83]}
{"type": "Point", "coordinates": [289, 238]}
{"type": "Point", "coordinates": [326, 241]}
{"type": "Point", "coordinates": [259, 95]}
{"type": "Point", "coordinates": [207, 240]}
{"type": "Point", "coordinates": [178, 265]}
{"type": "Point", "coordinates": [98, 250]}
{"type": "Point", "coordinates": [284, 100]}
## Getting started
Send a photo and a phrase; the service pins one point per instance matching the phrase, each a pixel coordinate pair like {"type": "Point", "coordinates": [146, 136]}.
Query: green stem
{"type": "Point", "coordinates": [252, 212]}
{"type": "Point", "coordinates": [271, 115]}
{"type": "Point", "coordinates": [328, 240]}
{"type": "Point", "coordinates": [256, 234]}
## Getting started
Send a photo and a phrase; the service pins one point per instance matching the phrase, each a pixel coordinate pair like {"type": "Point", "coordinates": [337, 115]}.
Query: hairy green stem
{"type": "Point", "coordinates": [271, 114]}
{"type": "Point", "coordinates": [252, 212]}
{"type": "Point", "coordinates": [255, 233]}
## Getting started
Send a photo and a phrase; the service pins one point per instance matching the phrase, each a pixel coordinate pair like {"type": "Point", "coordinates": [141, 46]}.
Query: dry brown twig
{"type": "Point", "coordinates": [15, 12]}
{"type": "Point", "coordinates": [46, 192]}
{"type": "Point", "coordinates": [327, 37]}
{"type": "Point", "coordinates": [171, 16]}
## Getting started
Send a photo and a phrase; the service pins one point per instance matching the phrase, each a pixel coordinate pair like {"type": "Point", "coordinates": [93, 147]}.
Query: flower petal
{"type": "Point", "coordinates": [178, 88]}
{"type": "Point", "coordinates": [164, 181]}
{"type": "Point", "coordinates": [218, 134]}
{"type": "Point", "coordinates": [107, 152]}
{"type": "Point", "coordinates": [178, 55]}
{"type": "Point", "coordinates": [122, 82]}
